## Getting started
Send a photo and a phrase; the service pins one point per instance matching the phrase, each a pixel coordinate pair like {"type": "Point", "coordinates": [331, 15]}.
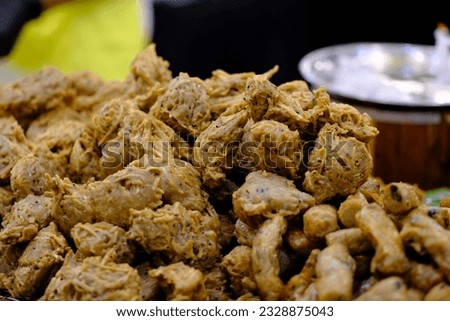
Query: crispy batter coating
{"type": "Point", "coordinates": [389, 256]}
{"type": "Point", "coordinates": [271, 146]}
{"type": "Point", "coordinates": [179, 233]}
{"type": "Point", "coordinates": [216, 285]}
{"type": "Point", "coordinates": [265, 263]}
{"type": "Point", "coordinates": [348, 209]}
{"type": "Point", "coordinates": [9, 260]}
{"type": "Point", "coordinates": [181, 282]}
{"type": "Point", "coordinates": [93, 279]}
{"type": "Point", "coordinates": [353, 239]}
{"type": "Point", "coordinates": [372, 190]}
{"type": "Point", "coordinates": [439, 214]}
{"type": "Point", "coordinates": [39, 262]}
{"type": "Point", "coordinates": [422, 233]}
{"type": "Point", "coordinates": [338, 165]}
{"type": "Point", "coordinates": [424, 276]}
{"type": "Point", "coordinates": [244, 233]}
{"type": "Point", "coordinates": [390, 289]}
{"type": "Point", "coordinates": [400, 198]}
{"type": "Point", "coordinates": [266, 195]}
{"type": "Point", "coordinates": [6, 201]}
{"type": "Point", "coordinates": [299, 92]}
{"type": "Point", "coordinates": [109, 200]}
{"type": "Point", "coordinates": [238, 264]}
{"type": "Point", "coordinates": [184, 106]}
{"type": "Point", "coordinates": [27, 217]}
{"type": "Point", "coordinates": [33, 94]}
{"type": "Point", "coordinates": [441, 292]}
{"type": "Point", "coordinates": [299, 243]}
{"type": "Point", "coordinates": [101, 239]}
{"type": "Point", "coordinates": [319, 220]}
{"type": "Point", "coordinates": [335, 269]}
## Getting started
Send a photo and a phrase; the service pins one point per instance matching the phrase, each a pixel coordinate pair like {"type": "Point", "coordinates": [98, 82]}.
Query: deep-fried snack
{"type": "Point", "coordinates": [440, 214]}
{"type": "Point", "coordinates": [150, 289]}
{"type": "Point", "coordinates": [335, 269]}
{"type": "Point", "coordinates": [109, 200]}
{"type": "Point", "coordinates": [101, 239]}
{"type": "Point", "coordinates": [440, 292]}
{"type": "Point", "coordinates": [372, 189]}
{"type": "Point", "coordinates": [400, 198]}
{"type": "Point", "coordinates": [244, 233]}
{"type": "Point", "coordinates": [348, 209]}
{"type": "Point", "coordinates": [353, 238]}
{"type": "Point", "coordinates": [389, 256]}
{"type": "Point", "coordinates": [319, 220]}
{"type": "Point", "coordinates": [424, 276]}
{"type": "Point", "coordinates": [299, 91]}
{"type": "Point", "coordinates": [392, 288]}
{"type": "Point", "coordinates": [265, 264]}
{"type": "Point", "coordinates": [6, 201]}
{"type": "Point", "coordinates": [180, 282]}
{"type": "Point", "coordinates": [9, 257]}
{"type": "Point", "coordinates": [338, 165]}
{"type": "Point", "coordinates": [27, 217]}
{"type": "Point", "coordinates": [179, 233]}
{"type": "Point", "coordinates": [93, 279]}
{"type": "Point", "coordinates": [216, 284]}
{"type": "Point", "coordinates": [299, 243]}
{"type": "Point", "coordinates": [266, 195]}
{"type": "Point", "coordinates": [238, 264]}
{"type": "Point", "coordinates": [423, 234]}
{"type": "Point", "coordinates": [38, 263]}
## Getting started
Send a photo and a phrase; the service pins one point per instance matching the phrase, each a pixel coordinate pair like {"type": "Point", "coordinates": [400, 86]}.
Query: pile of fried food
{"type": "Point", "coordinates": [229, 188]}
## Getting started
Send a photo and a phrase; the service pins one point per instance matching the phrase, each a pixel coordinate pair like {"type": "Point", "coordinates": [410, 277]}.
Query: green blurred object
{"type": "Point", "coordinates": [434, 196]}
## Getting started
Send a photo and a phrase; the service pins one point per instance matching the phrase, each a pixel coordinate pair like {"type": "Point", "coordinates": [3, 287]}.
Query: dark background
{"type": "Point", "coordinates": [198, 36]}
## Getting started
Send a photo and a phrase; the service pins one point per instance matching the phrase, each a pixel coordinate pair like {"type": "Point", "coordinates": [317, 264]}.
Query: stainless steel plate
{"type": "Point", "coordinates": [394, 74]}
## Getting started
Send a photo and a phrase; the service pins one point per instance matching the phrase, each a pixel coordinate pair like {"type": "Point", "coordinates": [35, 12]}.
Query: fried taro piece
{"type": "Point", "coordinates": [390, 258]}
{"type": "Point", "coordinates": [352, 238]}
{"type": "Point", "coordinates": [265, 262]}
{"type": "Point", "coordinates": [36, 93]}
{"type": "Point", "coordinates": [101, 239]}
{"type": "Point", "coordinates": [27, 217]}
{"type": "Point", "coordinates": [335, 269]}
{"type": "Point", "coordinates": [238, 264]}
{"type": "Point", "coordinates": [372, 190]}
{"type": "Point", "coordinates": [296, 287]}
{"type": "Point", "coordinates": [216, 284]}
{"type": "Point", "coordinates": [244, 233]}
{"type": "Point", "coordinates": [42, 257]}
{"type": "Point", "coordinates": [184, 106]}
{"type": "Point", "coordinates": [337, 166]}
{"type": "Point", "coordinates": [109, 200]}
{"type": "Point", "coordinates": [13, 145]}
{"type": "Point", "coordinates": [271, 146]}
{"type": "Point", "coordinates": [299, 243]}
{"type": "Point", "coordinates": [440, 215]}
{"type": "Point", "coordinates": [93, 279]}
{"type": "Point", "coordinates": [424, 276]}
{"type": "Point", "coordinates": [440, 292]}
{"type": "Point", "coordinates": [392, 288]}
{"type": "Point", "coordinates": [400, 198]}
{"type": "Point", "coordinates": [348, 209]}
{"type": "Point", "coordinates": [319, 220]}
{"type": "Point", "coordinates": [6, 201]}
{"type": "Point", "coordinates": [179, 233]}
{"type": "Point", "coordinates": [9, 260]}
{"type": "Point", "coordinates": [266, 195]}
{"type": "Point", "coordinates": [299, 91]}
{"type": "Point", "coordinates": [181, 282]}
{"type": "Point", "coordinates": [423, 234]}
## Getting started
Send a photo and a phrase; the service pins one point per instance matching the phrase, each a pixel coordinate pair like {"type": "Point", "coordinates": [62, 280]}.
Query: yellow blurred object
{"type": "Point", "coordinates": [98, 35]}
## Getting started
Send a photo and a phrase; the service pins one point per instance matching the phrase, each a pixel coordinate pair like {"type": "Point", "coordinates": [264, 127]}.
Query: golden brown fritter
{"type": "Point", "coordinates": [319, 220]}
{"type": "Point", "coordinates": [441, 292]}
{"type": "Point", "coordinates": [348, 209]}
{"type": "Point", "coordinates": [400, 198]}
{"type": "Point", "coordinates": [353, 239]}
{"type": "Point", "coordinates": [6, 201]}
{"type": "Point", "coordinates": [9, 260]}
{"type": "Point", "coordinates": [390, 289]}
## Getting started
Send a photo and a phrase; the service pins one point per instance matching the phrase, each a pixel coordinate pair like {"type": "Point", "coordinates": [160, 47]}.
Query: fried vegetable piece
{"type": "Point", "coordinates": [400, 198]}
{"type": "Point", "coordinates": [150, 289]}
{"type": "Point", "coordinates": [266, 195]}
{"type": "Point", "coordinates": [319, 220]}
{"type": "Point", "coordinates": [101, 239]}
{"type": "Point", "coordinates": [353, 239]}
{"type": "Point", "coordinates": [299, 91]}
{"type": "Point", "coordinates": [109, 200]}
{"type": "Point", "coordinates": [372, 190]}
{"type": "Point", "coordinates": [389, 256]}
{"type": "Point", "coordinates": [244, 233]}
{"type": "Point", "coordinates": [422, 233]}
{"type": "Point", "coordinates": [28, 176]}
{"type": "Point", "coordinates": [184, 106]}
{"type": "Point", "coordinates": [392, 288]}
{"type": "Point", "coordinates": [424, 276]}
{"type": "Point", "coordinates": [299, 243]}
{"type": "Point", "coordinates": [13, 145]}
{"type": "Point", "coordinates": [295, 289]}
{"type": "Point", "coordinates": [6, 201]}
{"type": "Point", "coordinates": [9, 260]}
{"type": "Point", "coordinates": [58, 129]}
{"type": "Point", "coordinates": [33, 94]}
{"type": "Point", "coordinates": [93, 279]}
{"type": "Point", "coordinates": [348, 209]}
{"type": "Point", "coordinates": [439, 214]}
{"type": "Point", "coordinates": [271, 146]}
{"type": "Point", "coordinates": [238, 264]}
{"type": "Point", "coordinates": [216, 285]}
{"type": "Point", "coordinates": [179, 233]}
{"type": "Point", "coordinates": [440, 292]}
{"type": "Point", "coordinates": [335, 269]}
{"type": "Point", "coordinates": [27, 217]}
{"type": "Point", "coordinates": [181, 282]}
{"type": "Point", "coordinates": [42, 257]}
{"type": "Point", "coordinates": [337, 166]}
{"type": "Point", "coordinates": [265, 263]}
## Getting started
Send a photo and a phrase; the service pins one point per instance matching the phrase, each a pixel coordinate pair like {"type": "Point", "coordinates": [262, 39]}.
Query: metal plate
{"type": "Point", "coordinates": [392, 74]}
